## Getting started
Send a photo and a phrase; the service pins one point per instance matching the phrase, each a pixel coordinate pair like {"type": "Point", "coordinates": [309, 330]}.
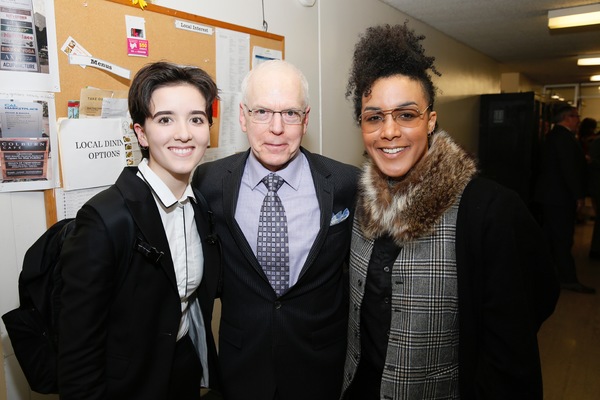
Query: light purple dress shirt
{"type": "Point", "coordinates": [299, 199]}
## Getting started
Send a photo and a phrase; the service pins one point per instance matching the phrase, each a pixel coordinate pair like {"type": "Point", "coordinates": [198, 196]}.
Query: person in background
{"type": "Point", "coordinates": [450, 278]}
{"type": "Point", "coordinates": [594, 184]}
{"type": "Point", "coordinates": [560, 191]}
{"type": "Point", "coordinates": [281, 338]}
{"type": "Point", "coordinates": [145, 332]}
{"type": "Point", "coordinates": [586, 135]}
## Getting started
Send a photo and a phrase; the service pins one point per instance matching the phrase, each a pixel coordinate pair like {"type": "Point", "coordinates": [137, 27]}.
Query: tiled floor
{"type": "Point", "coordinates": [570, 338]}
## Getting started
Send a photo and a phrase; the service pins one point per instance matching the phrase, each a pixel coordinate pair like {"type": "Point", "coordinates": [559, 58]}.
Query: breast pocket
{"type": "Point", "coordinates": [343, 226]}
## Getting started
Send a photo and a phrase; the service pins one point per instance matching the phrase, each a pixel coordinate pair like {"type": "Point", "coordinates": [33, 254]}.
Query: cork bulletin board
{"type": "Point", "coordinates": [100, 27]}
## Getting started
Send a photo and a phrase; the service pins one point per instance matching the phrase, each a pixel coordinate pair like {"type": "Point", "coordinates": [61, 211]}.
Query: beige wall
{"type": "Point", "coordinates": [320, 40]}
{"type": "Point", "coordinates": [466, 74]}
{"type": "Point", "coordinates": [590, 102]}
{"type": "Point", "coordinates": [514, 82]}
{"type": "Point", "coordinates": [2, 379]}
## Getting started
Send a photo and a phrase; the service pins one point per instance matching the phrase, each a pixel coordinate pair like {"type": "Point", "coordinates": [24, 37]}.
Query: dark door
{"type": "Point", "coordinates": [509, 138]}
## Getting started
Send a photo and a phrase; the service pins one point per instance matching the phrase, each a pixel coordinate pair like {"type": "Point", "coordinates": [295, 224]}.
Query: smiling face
{"type": "Point", "coordinates": [176, 134]}
{"type": "Point", "coordinates": [393, 148]}
{"type": "Point", "coordinates": [274, 144]}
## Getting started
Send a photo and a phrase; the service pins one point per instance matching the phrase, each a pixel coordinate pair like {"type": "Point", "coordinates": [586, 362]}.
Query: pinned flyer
{"type": "Point", "coordinates": [71, 46]}
{"type": "Point", "coordinates": [262, 54]}
{"type": "Point", "coordinates": [137, 42]}
{"type": "Point", "coordinates": [100, 64]}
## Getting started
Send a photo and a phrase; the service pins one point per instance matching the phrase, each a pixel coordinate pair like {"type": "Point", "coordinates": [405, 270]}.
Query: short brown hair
{"type": "Point", "coordinates": [160, 74]}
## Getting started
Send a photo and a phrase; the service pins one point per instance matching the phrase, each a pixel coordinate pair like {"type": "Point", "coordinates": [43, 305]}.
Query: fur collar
{"type": "Point", "coordinates": [410, 208]}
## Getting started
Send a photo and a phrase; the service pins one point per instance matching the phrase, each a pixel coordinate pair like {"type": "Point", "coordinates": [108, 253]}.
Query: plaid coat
{"type": "Point", "coordinates": [494, 274]}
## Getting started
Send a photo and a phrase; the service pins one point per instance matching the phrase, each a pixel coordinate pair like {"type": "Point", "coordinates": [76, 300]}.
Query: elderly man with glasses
{"type": "Point", "coordinates": [284, 217]}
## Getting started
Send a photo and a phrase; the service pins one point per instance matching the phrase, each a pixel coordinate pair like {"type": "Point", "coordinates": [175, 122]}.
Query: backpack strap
{"type": "Point", "coordinates": [111, 206]}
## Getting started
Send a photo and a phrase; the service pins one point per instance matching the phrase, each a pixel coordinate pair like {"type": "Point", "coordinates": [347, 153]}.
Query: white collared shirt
{"type": "Point", "coordinates": [178, 220]}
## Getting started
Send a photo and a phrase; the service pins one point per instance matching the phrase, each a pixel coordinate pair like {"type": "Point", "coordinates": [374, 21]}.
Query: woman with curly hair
{"type": "Point", "coordinates": [450, 277]}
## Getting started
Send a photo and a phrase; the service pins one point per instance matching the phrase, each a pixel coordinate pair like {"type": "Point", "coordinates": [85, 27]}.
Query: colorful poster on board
{"type": "Point", "coordinates": [19, 49]}
{"type": "Point", "coordinates": [137, 42]}
{"type": "Point", "coordinates": [28, 56]}
{"type": "Point", "coordinates": [24, 159]}
{"type": "Point", "coordinates": [21, 119]}
{"type": "Point", "coordinates": [28, 145]}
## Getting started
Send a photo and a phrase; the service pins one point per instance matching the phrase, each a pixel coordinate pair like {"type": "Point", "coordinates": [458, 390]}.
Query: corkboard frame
{"type": "Point", "coordinates": [99, 26]}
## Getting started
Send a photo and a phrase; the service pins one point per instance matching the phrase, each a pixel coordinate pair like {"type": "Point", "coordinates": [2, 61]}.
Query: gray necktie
{"type": "Point", "coordinates": [272, 248]}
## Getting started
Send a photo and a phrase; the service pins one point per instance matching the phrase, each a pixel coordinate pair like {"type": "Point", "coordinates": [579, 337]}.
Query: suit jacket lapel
{"type": "Point", "coordinates": [142, 207]}
{"type": "Point", "coordinates": [324, 191]}
{"type": "Point", "coordinates": [231, 191]}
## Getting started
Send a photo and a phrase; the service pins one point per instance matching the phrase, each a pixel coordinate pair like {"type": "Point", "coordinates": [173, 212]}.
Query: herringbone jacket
{"type": "Point", "coordinates": [489, 256]}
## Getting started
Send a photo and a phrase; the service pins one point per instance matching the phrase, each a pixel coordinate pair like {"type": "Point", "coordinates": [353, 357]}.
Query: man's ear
{"type": "Point", "coordinates": [243, 118]}
{"type": "Point", "coordinates": [305, 127]}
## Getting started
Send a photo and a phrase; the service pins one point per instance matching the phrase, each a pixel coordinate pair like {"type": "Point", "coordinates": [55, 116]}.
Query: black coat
{"type": "Point", "coordinates": [562, 179]}
{"type": "Point", "coordinates": [507, 288]}
{"type": "Point", "coordinates": [118, 328]}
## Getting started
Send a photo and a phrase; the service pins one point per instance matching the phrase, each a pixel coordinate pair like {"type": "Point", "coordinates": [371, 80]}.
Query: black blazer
{"type": "Point", "coordinates": [118, 328]}
{"type": "Point", "coordinates": [293, 345]}
{"type": "Point", "coordinates": [563, 169]}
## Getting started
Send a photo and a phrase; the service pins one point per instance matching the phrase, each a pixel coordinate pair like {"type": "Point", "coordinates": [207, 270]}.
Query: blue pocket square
{"type": "Point", "coordinates": [339, 217]}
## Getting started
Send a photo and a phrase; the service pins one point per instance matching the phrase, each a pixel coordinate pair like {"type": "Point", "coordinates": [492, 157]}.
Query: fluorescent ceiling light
{"type": "Point", "coordinates": [574, 16]}
{"type": "Point", "coordinates": [595, 78]}
{"type": "Point", "coordinates": [589, 61]}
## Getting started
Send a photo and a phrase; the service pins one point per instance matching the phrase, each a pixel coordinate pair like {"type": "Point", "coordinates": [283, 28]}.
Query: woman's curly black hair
{"type": "Point", "coordinates": [385, 51]}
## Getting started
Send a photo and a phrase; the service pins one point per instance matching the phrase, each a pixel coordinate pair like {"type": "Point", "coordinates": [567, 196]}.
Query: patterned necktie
{"type": "Point", "coordinates": [273, 250]}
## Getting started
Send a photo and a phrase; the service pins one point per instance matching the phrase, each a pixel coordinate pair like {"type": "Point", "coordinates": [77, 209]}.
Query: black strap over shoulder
{"type": "Point", "coordinates": [212, 236]}
{"type": "Point", "coordinates": [111, 206]}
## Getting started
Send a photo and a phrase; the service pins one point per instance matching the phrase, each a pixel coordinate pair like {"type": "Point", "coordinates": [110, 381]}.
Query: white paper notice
{"type": "Point", "coordinates": [233, 59]}
{"type": "Point", "coordinates": [262, 54]}
{"type": "Point", "coordinates": [100, 64]}
{"type": "Point", "coordinates": [230, 133]}
{"type": "Point", "coordinates": [91, 152]}
{"type": "Point", "coordinates": [68, 203]}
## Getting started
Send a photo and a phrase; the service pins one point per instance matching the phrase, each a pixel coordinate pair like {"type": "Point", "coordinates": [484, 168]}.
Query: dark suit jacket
{"type": "Point", "coordinates": [118, 328]}
{"type": "Point", "coordinates": [293, 345]}
{"type": "Point", "coordinates": [563, 169]}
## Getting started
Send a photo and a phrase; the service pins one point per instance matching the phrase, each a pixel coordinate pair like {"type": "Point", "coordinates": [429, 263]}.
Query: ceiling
{"type": "Point", "coordinates": [515, 33]}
